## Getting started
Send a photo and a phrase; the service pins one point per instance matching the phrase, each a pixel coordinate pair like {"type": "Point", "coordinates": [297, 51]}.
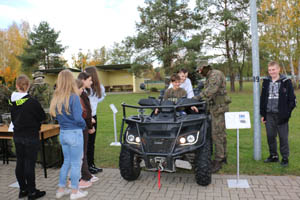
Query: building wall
{"type": "Point", "coordinates": [51, 78]}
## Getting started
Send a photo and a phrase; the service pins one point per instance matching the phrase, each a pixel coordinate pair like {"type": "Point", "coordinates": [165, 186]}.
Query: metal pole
{"type": "Point", "coordinates": [256, 79]}
{"type": "Point", "coordinates": [237, 155]}
{"type": "Point", "coordinates": [115, 128]}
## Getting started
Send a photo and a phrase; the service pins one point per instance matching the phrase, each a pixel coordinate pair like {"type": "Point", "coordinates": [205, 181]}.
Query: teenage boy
{"type": "Point", "coordinates": [277, 101]}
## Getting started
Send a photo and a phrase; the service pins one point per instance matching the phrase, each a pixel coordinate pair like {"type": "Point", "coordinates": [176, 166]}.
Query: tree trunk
{"type": "Point", "coordinates": [299, 73]}
{"type": "Point", "coordinates": [292, 71]}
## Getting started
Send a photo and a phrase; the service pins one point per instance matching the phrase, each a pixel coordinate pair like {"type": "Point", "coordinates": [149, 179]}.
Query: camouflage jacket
{"type": "Point", "coordinates": [42, 93]}
{"type": "Point", "coordinates": [5, 94]}
{"type": "Point", "coordinates": [214, 91]}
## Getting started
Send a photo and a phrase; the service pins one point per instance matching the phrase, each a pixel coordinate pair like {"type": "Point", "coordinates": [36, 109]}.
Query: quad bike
{"type": "Point", "coordinates": [175, 137]}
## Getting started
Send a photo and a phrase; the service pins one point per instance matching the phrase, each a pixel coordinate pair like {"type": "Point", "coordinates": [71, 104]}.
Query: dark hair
{"type": "Point", "coordinates": [174, 78]}
{"type": "Point", "coordinates": [183, 70]}
{"type": "Point", "coordinates": [79, 83]}
{"type": "Point", "coordinates": [23, 82]}
{"type": "Point", "coordinates": [83, 76]}
{"type": "Point", "coordinates": [96, 82]}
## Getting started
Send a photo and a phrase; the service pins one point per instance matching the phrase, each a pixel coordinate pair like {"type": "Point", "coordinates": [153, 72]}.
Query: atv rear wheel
{"type": "Point", "coordinates": [203, 164]}
{"type": "Point", "coordinates": [129, 164]}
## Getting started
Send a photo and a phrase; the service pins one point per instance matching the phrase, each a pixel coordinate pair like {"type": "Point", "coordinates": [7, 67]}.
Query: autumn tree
{"type": "Point", "coordinates": [12, 42]}
{"type": "Point", "coordinates": [83, 60]}
{"type": "Point", "coordinates": [280, 32]}
{"type": "Point", "coordinates": [43, 48]}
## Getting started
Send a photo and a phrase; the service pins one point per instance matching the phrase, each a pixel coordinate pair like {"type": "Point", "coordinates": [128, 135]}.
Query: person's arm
{"type": "Point", "coordinates": [189, 89]}
{"type": "Point", "coordinates": [77, 111]}
{"type": "Point", "coordinates": [103, 94]}
{"type": "Point", "coordinates": [39, 111]}
{"type": "Point", "coordinates": [170, 86]}
{"type": "Point", "coordinates": [212, 88]}
{"type": "Point", "coordinates": [291, 97]}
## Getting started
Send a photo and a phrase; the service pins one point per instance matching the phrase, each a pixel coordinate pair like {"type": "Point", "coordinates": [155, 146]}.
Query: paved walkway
{"type": "Point", "coordinates": [175, 186]}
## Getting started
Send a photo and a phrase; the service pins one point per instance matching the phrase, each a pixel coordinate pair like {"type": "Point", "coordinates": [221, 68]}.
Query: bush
{"type": "Point", "coordinates": [153, 89]}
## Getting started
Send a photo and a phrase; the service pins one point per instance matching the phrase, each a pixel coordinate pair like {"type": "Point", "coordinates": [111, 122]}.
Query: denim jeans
{"type": "Point", "coordinates": [72, 146]}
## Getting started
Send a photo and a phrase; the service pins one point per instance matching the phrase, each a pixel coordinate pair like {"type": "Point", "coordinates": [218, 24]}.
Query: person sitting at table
{"type": "Point", "coordinates": [27, 115]}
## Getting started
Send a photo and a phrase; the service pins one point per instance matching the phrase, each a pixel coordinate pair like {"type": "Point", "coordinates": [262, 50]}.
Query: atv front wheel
{"type": "Point", "coordinates": [203, 164]}
{"type": "Point", "coordinates": [129, 164]}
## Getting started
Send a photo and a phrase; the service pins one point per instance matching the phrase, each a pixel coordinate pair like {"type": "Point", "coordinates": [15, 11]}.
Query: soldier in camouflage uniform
{"type": "Point", "coordinates": [5, 94]}
{"type": "Point", "coordinates": [214, 93]}
{"type": "Point", "coordinates": [42, 92]}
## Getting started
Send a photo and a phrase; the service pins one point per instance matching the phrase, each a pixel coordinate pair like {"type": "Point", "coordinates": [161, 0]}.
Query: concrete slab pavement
{"type": "Point", "coordinates": [175, 186]}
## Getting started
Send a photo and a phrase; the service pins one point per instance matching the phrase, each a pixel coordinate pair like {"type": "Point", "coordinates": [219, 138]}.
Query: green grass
{"type": "Point", "coordinates": [107, 156]}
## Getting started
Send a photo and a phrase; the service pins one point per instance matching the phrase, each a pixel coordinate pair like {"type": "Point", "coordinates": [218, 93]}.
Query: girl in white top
{"type": "Point", "coordinates": [96, 95]}
{"type": "Point", "coordinates": [185, 83]}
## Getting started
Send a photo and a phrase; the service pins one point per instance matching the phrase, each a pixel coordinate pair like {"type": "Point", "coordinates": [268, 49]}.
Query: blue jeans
{"type": "Point", "coordinates": [72, 146]}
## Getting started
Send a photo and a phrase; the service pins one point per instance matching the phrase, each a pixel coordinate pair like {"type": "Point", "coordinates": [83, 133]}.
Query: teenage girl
{"type": "Point", "coordinates": [84, 82]}
{"type": "Point", "coordinates": [65, 106]}
{"type": "Point", "coordinates": [96, 95]}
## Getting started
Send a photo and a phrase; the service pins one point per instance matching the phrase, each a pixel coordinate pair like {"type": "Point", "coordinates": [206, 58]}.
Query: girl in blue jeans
{"type": "Point", "coordinates": [65, 106]}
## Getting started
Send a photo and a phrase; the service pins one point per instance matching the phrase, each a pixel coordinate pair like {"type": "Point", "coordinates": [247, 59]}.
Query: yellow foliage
{"type": "Point", "coordinates": [9, 75]}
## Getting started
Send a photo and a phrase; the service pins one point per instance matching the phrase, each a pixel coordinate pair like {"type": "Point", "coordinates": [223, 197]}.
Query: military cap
{"type": "Point", "coordinates": [201, 64]}
{"type": "Point", "coordinates": [38, 74]}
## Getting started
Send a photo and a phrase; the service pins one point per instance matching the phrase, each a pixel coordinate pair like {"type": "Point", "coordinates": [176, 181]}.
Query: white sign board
{"type": "Point", "coordinates": [113, 108]}
{"type": "Point", "coordinates": [237, 120]}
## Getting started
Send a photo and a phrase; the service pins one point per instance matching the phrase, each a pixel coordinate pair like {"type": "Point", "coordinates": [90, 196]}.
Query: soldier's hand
{"type": "Point", "coordinates": [263, 120]}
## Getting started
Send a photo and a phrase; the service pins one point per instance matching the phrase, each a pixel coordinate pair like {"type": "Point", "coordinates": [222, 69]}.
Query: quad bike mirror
{"type": "Point", "coordinates": [142, 86]}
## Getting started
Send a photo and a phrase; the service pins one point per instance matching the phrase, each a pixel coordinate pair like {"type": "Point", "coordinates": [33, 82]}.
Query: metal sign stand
{"type": "Point", "coordinates": [237, 183]}
{"type": "Point", "coordinates": [237, 120]}
{"type": "Point", "coordinates": [114, 109]}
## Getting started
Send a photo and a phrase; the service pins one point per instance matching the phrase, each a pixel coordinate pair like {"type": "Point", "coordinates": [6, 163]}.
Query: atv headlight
{"type": "Point", "coordinates": [182, 140]}
{"type": "Point", "coordinates": [138, 139]}
{"type": "Point", "coordinates": [190, 139]}
{"type": "Point", "coordinates": [130, 138]}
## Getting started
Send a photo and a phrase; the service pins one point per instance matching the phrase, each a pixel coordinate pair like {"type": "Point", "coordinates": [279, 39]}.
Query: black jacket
{"type": "Point", "coordinates": [286, 102]}
{"type": "Point", "coordinates": [27, 115]}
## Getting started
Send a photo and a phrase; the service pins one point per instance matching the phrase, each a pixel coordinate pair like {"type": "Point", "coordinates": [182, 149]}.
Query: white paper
{"type": "Point", "coordinates": [237, 120]}
{"type": "Point", "coordinates": [113, 108]}
{"type": "Point", "coordinates": [11, 127]}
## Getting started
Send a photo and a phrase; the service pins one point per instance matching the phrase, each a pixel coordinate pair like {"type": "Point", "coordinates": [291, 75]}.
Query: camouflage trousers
{"type": "Point", "coordinates": [219, 135]}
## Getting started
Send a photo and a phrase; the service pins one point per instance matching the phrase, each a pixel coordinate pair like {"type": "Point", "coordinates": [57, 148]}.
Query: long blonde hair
{"type": "Point", "coordinates": [65, 87]}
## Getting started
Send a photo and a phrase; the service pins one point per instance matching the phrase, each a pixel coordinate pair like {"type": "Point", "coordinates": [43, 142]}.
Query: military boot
{"type": "Point", "coordinates": [216, 166]}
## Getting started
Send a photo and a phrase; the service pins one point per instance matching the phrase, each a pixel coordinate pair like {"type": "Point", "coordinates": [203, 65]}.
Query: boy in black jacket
{"type": "Point", "coordinates": [276, 104]}
{"type": "Point", "coordinates": [27, 115]}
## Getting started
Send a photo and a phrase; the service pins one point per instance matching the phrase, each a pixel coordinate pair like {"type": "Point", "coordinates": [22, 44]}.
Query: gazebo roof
{"type": "Point", "coordinates": [114, 67]}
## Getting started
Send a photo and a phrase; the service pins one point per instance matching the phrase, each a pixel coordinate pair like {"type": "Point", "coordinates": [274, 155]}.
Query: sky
{"type": "Point", "coordinates": [83, 24]}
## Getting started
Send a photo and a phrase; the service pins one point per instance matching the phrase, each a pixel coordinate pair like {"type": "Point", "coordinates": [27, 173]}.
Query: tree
{"type": "Point", "coordinates": [12, 42]}
{"type": "Point", "coordinates": [280, 22]}
{"type": "Point", "coordinates": [228, 19]}
{"type": "Point", "coordinates": [120, 53]}
{"type": "Point", "coordinates": [43, 48]}
{"type": "Point", "coordinates": [163, 26]}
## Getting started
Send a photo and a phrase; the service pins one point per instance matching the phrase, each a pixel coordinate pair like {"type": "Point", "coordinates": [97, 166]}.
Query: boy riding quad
{"type": "Point", "coordinates": [166, 139]}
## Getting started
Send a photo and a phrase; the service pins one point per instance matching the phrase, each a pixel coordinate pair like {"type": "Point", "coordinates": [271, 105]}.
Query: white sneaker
{"type": "Point", "coordinates": [79, 194]}
{"type": "Point", "coordinates": [94, 179]}
{"type": "Point", "coordinates": [84, 184]}
{"type": "Point", "coordinates": [61, 194]}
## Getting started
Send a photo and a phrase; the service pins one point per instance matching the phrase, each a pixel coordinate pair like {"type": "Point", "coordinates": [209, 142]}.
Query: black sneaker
{"type": "Point", "coordinates": [96, 168]}
{"type": "Point", "coordinates": [271, 158]}
{"type": "Point", "coordinates": [36, 194]}
{"type": "Point", "coordinates": [93, 170]}
{"type": "Point", "coordinates": [284, 162]}
{"type": "Point", "coordinates": [23, 193]}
